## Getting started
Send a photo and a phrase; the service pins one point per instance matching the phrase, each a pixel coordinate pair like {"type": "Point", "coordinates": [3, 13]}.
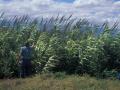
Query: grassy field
{"type": "Point", "coordinates": [59, 82]}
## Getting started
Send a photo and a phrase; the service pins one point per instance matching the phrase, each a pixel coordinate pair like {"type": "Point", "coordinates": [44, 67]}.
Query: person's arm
{"type": "Point", "coordinates": [33, 50]}
{"type": "Point", "coordinates": [18, 57]}
{"type": "Point", "coordinates": [20, 54]}
{"type": "Point", "coordinates": [33, 45]}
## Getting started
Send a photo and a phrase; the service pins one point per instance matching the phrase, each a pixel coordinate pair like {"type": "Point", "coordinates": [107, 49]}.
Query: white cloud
{"type": "Point", "coordinates": [86, 3]}
{"type": "Point", "coordinates": [95, 10]}
{"type": "Point", "coordinates": [117, 3]}
{"type": "Point", "coordinates": [79, 3]}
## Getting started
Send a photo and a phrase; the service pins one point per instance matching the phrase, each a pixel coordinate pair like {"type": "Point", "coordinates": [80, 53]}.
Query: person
{"type": "Point", "coordinates": [118, 74]}
{"type": "Point", "coordinates": [25, 60]}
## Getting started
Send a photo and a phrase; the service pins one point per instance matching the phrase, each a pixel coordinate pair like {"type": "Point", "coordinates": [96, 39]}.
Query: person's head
{"type": "Point", "coordinates": [27, 44]}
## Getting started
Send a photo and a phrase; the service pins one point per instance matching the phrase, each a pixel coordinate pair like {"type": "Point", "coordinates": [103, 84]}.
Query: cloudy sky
{"type": "Point", "coordinates": [95, 10]}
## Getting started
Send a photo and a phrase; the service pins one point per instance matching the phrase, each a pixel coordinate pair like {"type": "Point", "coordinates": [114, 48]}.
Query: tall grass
{"type": "Point", "coordinates": [63, 44]}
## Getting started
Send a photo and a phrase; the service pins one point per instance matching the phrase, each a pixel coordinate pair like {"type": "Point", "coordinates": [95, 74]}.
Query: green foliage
{"type": "Point", "coordinates": [109, 74]}
{"type": "Point", "coordinates": [61, 45]}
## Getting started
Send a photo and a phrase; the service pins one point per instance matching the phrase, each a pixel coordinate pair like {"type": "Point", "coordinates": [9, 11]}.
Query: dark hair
{"type": "Point", "coordinates": [27, 44]}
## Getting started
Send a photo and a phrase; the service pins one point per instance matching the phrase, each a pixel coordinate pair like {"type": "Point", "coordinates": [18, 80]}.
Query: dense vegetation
{"type": "Point", "coordinates": [62, 44]}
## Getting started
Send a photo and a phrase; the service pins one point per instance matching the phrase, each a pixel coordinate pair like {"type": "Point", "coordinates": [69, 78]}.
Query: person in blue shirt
{"type": "Point", "coordinates": [25, 60]}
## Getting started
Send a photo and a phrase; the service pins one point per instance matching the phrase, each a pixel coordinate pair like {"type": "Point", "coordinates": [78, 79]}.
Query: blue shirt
{"type": "Point", "coordinates": [26, 52]}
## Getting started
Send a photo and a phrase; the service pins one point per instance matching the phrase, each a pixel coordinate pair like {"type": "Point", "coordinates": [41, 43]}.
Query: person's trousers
{"type": "Point", "coordinates": [25, 68]}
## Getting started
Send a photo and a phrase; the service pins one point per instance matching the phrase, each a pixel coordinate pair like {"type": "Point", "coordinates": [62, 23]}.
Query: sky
{"type": "Point", "coordinates": [94, 10]}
